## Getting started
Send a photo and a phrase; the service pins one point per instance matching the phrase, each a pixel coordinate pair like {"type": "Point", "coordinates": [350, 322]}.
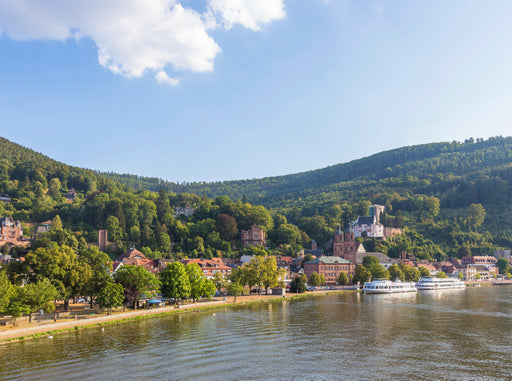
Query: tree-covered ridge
{"type": "Point", "coordinates": [430, 189]}
{"type": "Point", "coordinates": [420, 161]}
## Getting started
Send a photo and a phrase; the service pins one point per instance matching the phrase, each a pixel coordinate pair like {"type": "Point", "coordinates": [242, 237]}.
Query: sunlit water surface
{"type": "Point", "coordinates": [463, 334]}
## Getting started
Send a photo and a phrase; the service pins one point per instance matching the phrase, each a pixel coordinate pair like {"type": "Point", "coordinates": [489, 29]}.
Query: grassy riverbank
{"type": "Point", "coordinates": [34, 330]}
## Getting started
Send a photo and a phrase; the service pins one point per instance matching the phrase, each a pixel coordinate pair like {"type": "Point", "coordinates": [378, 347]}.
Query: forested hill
{"type": "Point", "coordinates": [420, 168]}
{"type": "Point", "coordinates": [23, 164]}
{"type": "Point", "coordinates": [452, 198]}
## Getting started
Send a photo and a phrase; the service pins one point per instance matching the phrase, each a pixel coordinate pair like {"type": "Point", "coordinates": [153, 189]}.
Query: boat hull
{"type": "Point", "coordinates": [432, 284]}
{"type": "Point", "coordinates": [388, 287]}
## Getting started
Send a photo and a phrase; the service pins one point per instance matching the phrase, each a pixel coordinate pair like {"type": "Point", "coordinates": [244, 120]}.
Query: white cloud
{"type": "Point", "coordinates": [163, 77]}
{"type": "Point", "coordinates": [137, 36]}
{"type": "Point", "coordinates": [251, 14]}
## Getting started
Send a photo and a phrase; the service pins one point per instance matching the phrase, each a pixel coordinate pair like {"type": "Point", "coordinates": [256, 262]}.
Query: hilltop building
{"type": "Point", "coordinates": [254, 236]}
{"type": "Point", "coordinates": [71, 195]}
{"type": "Point", "coordinates": [186, 211]}
{"type": "Point", "coordinates": [11, 230]}
{"type": "Point", "coordinates": [371, 226]}
{"type": "Point", "coordinates": [345, 243]}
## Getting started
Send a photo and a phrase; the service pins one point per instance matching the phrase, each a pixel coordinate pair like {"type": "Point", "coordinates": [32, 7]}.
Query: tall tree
{"type": "Point", "coordinates": [226, 226]}
{"type": "Point", "coordinates": [115, 232]}
{"type": "Point", "coordinates": [343, 279]}
{"type": "Point", "coordinates": [235, 289]}
{"type": "Point", "coordinates": [6, 290]}
{"type": "Point", "coordinates": [476, 216]}
{"type": "Point", "coordinates": [175, 282]}
{"type": "Point", "coordinates": [62, 267]}
{"type": "Point", "coordinates": [314, 279]}
{"type": "Point", "coordinates": [111, 296]}
{"type": "Point", "coordinates": [101, 266]}
{"type": "Point", "coordinates": [39, 296]}
{"type": "Point", "coordinates": [361, 275]}
{"type": "Point", "coordinates": [196, 279]}
{"type": "Point", "coordinates": [136, 280]}
{"type": "Point", "coordinates": [163, 205]}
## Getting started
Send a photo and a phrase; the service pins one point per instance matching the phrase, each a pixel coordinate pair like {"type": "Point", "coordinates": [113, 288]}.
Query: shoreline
{"type": "Point", "coordinates": [11, 334]}
{"type": "Point", "coordinates": [34, 331]}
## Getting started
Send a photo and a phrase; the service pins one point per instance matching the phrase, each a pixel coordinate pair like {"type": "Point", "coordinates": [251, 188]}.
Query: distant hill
{"type": "Point", "coordinates": [432, 189]}
{"type": "Point", "coordinates": [428, 168]}
{"type": "Point", "coordinates": [458, 174]}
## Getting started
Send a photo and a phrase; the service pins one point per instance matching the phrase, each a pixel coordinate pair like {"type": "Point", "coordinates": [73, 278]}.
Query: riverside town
{"type": "Point", "coordinates": [164, 249]}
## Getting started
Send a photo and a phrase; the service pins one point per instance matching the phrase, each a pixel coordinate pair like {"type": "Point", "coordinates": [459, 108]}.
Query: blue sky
{"type": "Point", "coordinates": [233, 89]}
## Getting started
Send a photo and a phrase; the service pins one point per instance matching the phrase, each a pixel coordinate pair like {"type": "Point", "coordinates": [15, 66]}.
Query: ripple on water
{"type": "Point", "coordinates": [346, 336]}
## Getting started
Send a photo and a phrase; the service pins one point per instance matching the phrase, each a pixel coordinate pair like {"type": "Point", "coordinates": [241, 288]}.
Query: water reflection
{"type": "Point", "coordinates": [428, 335]}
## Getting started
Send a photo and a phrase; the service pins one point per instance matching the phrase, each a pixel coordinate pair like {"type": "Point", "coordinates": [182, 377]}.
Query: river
{"type": "Point", "coordinates": [463, 334]}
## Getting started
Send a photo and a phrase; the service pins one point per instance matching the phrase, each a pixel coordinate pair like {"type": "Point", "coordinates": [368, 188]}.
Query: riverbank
{"type": "Point", "coordinates": [76, 321]}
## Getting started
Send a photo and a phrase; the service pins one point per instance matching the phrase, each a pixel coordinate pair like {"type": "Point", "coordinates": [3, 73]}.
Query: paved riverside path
{"type": "Point", "coordinates": [11, 333]}
{"type": "Point", "coordinates": [51, 326]}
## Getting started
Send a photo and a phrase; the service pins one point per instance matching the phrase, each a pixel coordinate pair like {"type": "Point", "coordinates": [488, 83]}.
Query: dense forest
{"type": "Point", "coordinates": [452, 199]}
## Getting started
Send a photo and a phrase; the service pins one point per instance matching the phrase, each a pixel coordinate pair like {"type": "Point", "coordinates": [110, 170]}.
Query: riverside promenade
{"type": "Point", "coordinates": [24, 329]}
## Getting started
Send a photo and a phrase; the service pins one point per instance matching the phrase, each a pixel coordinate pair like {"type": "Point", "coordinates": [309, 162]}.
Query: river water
{"type": "Point", "coordinates": [464, 334]}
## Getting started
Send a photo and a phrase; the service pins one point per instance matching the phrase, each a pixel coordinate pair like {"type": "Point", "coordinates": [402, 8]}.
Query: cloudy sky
{"type": "Point", "coordinates": [208, 90]}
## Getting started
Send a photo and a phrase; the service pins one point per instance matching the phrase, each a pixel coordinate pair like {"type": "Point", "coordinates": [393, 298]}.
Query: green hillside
{"type": "Point", "coordinates": [455, 174]}
{"type": "Point", "coordinates": [428, 168]}
{"type": "Point", "coordinates": [452, 198]}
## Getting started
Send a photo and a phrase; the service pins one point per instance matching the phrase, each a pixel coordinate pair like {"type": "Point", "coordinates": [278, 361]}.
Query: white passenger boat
{"type": "Point", "coordinates": [382, 286]}
{"type": "Point", "coordinates": [440, 284]}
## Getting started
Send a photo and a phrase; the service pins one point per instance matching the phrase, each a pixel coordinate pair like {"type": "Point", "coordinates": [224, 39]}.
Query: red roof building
{"type": "Point", "coordinates": [135, 258]}
{"type": "Point", "coordinates": [210, 267]}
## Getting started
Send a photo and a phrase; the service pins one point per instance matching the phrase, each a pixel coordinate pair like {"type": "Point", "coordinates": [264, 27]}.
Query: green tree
{"type": "Point", "coordinates": [163, 242]}
{"type": "Point", "coordinates": [196, 279]}
{"type": "Point", "coordinates": [370, 260]}
{"type": "Point", "coordinates": [343, 279]}
{"type": "Point", "coordinates": [502, 264]}
{"type": "Point", "coordinates": [395, 272]}
{"type": "Point", "coordinates": [441, 274]}
{"type": "Point", "coordinates": [101, 266]}
{"type": "Point", "coordinates": [361, 275]}
{"type": "Point", "coordinates": [208, 288]}
{"type": "Point", "coordinates": [57, 223]}
{"type": "Point", "coordinates": [198, 244]}
{"type": "Point", "coordinates": [39, 296]}
{"type": "Point", "coordinates": [476, 216]}
{"type": "Point", "coordinates": [111, 296]}
{"type": "Point", "coordinates": [226, 226]}
{"type": "Point", "coordinates": [297, 285]}
{"type": "Point", "coordinates": [314, 279]}
{"type": "Point", "coordinates": [424, 273]}
{"type": "Point", "coordinates": [17, 307]}
{"type": "Point", "coordinates": [175, 282]}
{"type": "Point", "coordinates": [235, 289]}
{"type": "Point", "coordinates": [271, 275]}
{"type": "Point", "coordinates": [115, 232]}
{"type": "Point", "coordinates": [219, 281]}
{"type": "Point", "coordinates": [6, 290]}
{"type": "Point", "coordinates": [307, 258]}
{"type": "Point", "coordinates": [136, 281]}
{"type": "Point", "coordinates": [163, 206]}
{"type": "Point", "coordinates": [411, 274]}
{"type": "Point", "coordinates": [378, 271]}
{"type": "Point", "coordinates": [68, 273]}
{"type": "Point", "coordinates": [54, 189]}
